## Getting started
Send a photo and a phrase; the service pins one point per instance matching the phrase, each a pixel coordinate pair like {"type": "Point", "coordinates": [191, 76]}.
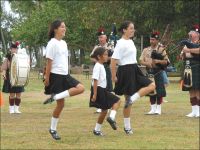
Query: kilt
{"type": "Point", "coordinates": [130, 79]}
{"type": "Point", "coordinates": [195, 66]}
{"type": "Point", "coordinates": [160, 87]}
{"type": "Point", "coordinates": [104, 100]}
{"type": "Point", "coordinates": [59, 83]}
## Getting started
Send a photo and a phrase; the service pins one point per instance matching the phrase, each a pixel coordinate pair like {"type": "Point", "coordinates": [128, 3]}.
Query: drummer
{"type": "Point", "coordinates": [15, 92]}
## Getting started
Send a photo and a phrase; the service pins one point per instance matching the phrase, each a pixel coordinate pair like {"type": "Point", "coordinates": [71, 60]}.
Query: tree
{"type": "Point", "coordinates": [83, 18]}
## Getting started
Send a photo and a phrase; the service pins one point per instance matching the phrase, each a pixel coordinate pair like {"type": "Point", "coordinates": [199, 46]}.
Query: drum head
{"type": "Point", "coordinates": [19, 70]}
{"type": "Point", "coordinates": [13, 70]}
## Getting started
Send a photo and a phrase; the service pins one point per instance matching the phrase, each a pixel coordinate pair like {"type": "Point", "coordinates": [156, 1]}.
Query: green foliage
{"type": "Point", "coordinates": [83, 18]}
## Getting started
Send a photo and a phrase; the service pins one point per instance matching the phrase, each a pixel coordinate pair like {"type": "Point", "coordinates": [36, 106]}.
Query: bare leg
{"type": "Point", "coordinates": [116, 105]}
{"type": "Point", "coordinates": [59, 108]}
{"type": "Point", "coordinates": [102, 116]}
{"type": "Point", "coordinates": [127, 110]}
{"type": "Point", "coordinates": [76, 90]}
{"type": "Point", "coordinates": [146, 90]}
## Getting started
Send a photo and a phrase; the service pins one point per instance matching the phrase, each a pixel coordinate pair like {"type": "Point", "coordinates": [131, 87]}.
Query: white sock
{"type": "Point", "coordinates": [135, 96]}
{"type": "Point", "coordinates": [127, 124]}
{"type": "Point", "coordinates": [54, 122]}
{"type": "Point", "coordinates": [61, 95]}
{"type": "Point", "coordinates": [113, 114]}
{"type": "Point", "coordinates": [97, 127]}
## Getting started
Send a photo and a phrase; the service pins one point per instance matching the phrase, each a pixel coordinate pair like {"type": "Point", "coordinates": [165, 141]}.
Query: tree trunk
{"type": "Point", "coordinates": [3, 41]}
{"type": "Point", "coordinates": [73, 57]}
{"type": "Point", "coordinates": [82, 56]}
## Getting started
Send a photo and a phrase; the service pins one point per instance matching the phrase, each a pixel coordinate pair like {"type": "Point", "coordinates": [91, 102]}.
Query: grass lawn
{"type": "Point", "coordinates": [29, 130]}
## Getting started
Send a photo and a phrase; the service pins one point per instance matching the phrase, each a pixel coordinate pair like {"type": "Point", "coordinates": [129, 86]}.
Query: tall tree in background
{"type": "Point", "coordinates": [83, 18]}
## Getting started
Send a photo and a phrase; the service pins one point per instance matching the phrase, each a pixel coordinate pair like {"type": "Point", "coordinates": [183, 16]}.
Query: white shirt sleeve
{"type": "Point", "coordinates": [116, 53]}
{"type": "Point", "coordinates": [96, 72]}
{"type": "Point", "coordinates": [50, 52]}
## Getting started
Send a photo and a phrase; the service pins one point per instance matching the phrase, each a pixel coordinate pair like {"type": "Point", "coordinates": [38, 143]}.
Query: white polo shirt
{"type": "Point", "coordinates": [99, 74]}
{"type": "Point", "coordinates": [125, 52]}
{"type": "Point", "coordinates": [57, 51]}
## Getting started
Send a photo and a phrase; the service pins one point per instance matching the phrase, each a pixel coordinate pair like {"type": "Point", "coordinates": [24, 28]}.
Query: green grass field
{"type": "Point", "coordinates": [29, 130]}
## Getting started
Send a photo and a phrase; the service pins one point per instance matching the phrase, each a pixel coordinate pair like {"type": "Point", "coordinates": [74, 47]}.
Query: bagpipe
{"type": "Point", "coordinates": [159, 56]}
{"type": "Point", "coordinates": [163, 44]}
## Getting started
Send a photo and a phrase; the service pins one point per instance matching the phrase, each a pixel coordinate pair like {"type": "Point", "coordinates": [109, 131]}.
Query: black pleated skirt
{"type": "Point", "coordinates": [7, 88]}
{"type": "Point", "coordinates": [130, 79]}
{"type": "Point", "coordinates": [104, 100]}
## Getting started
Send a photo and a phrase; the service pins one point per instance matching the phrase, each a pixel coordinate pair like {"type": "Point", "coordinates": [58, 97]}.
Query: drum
{"type": "Point", "coordinates": [19, 70]}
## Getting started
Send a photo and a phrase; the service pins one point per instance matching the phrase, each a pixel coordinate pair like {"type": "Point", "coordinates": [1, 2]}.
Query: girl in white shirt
{"type": "Point", "coordinates": [100, 97]}
{"type": "Point", "coordinates": [58, 82]}
{"type": "Point", "coordinates": [129, 80]}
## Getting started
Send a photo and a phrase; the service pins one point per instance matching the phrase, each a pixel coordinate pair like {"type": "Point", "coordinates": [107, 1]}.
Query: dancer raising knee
{"type": "Point", "coordinates": [58, 82]}
{"type": "Point", "coordinates": [100, 97]}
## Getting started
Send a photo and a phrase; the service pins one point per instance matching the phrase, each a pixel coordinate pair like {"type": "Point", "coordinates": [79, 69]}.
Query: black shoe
{"type": "Point", "coordinates": [112, 123]}
{"type": "Point", "coordinates": [54, 134]}
{"type": "Point", "coordinates": [49, 100]}
{"type": "Point", "coordinates": [97, 133]}
{"type": "Point", "coordinates": [128, 131]}
{"type": "Point", "coordinates": [128, 102]}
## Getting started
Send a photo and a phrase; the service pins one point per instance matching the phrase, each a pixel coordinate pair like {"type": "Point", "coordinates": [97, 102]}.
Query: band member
{"type": "Point", "coordinates": [15, 92]}
{"type": "Point", "coordinates": [102, 38]}
{"type": "Point", "coordinates": [100, 96]}
{"type": "Point", "coordinates": [58, 82]}
{"type": "Point", "coordinates": [192, 58]}
{"type": "Point", "coordinates": [155, 67]}
{"type": "Point", "coordinates": [129, 80]}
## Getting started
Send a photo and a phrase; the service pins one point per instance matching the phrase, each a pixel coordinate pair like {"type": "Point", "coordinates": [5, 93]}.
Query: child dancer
{"type": "Point", "coordinates": [100, 97]}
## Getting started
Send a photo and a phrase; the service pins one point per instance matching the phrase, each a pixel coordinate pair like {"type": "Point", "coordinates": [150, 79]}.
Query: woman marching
{"type": "Point", "coordinates": [58, 82]}
{"type": "Point", "coordinates": [15, 92]}
{"type": "Point", "coordinates": [100, 96]}
{"type": "Point", "coordinates": [129, 80]}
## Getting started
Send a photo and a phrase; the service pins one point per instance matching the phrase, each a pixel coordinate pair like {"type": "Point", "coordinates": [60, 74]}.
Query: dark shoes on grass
{"type": "Point", "coordinates": [54, 134]}
{"type": "Point", "coordinates": [97, 133]}
{"type": "Point", "coordinates": [49, 100]}
{"type": "Point", "coordinates": [128, 131]}
{"type": "Point", "coordinates": [112, 123]}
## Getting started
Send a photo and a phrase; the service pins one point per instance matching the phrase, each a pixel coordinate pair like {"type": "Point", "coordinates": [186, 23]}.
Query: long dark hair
{"type": "Point", "coordinates": [124, 25]}
{"type": "Point", "coordinates": [54, 25]}
{"type": "Point", "coordinates": [99, 51]}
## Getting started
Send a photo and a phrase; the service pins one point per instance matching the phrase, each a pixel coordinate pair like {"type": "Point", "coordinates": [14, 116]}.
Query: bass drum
{"type": "Point", "coordinates": [19, 70]}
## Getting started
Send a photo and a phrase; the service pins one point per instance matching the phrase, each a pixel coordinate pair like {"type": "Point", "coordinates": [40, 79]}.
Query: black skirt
{"type": "Point", "coordinates": [7, 88]}
{"type": "Point", "coordinates": [59, 83]}
{"type": "Point", "coordinates": [130, 79]}
{"type": "Point", "coordinates": [104, 100]}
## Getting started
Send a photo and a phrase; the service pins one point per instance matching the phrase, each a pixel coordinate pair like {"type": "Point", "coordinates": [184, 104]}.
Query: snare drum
{"type": "Point", "coordinates": [19, 70]}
